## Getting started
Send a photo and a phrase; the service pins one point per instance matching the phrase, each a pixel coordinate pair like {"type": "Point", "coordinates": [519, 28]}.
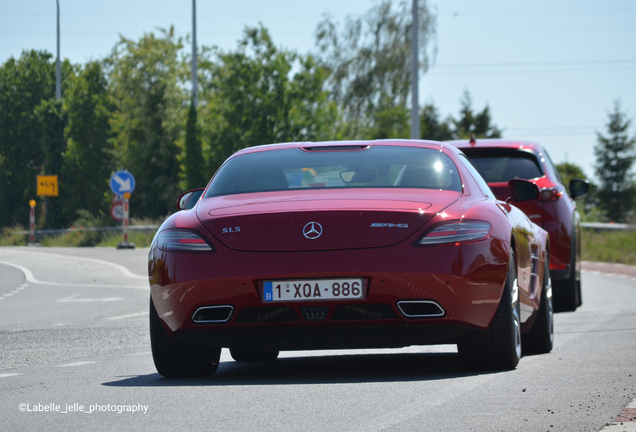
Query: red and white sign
{"type": "Point", "coordinates": [117, 212]}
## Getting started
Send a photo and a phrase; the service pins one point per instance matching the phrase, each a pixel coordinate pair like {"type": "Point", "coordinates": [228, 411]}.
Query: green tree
{"type": "Point", "coordinates": [24, 84]}
{"type": "Point", "coordinates": [148, 117]}
{"type": "Point", "coordinates": [252, 97]}
{"type": "Point", "coordinates": [432, 128]}
{"type": "Point", "coordinates": [53, 145]}
{"type": "Point", "coordinates": [568, 171]}
{"type": "Point", "coordinates": [389, 121]}
{"type": "Point", "coordinates": [193, 157]}
{"type": "Point", "coordinates": [588, 203]}
{"type": "Point", "coordinates": [615, 155]}
{"type": "Point", "coordinates": [470, 123]}
{"type": "Point", "coordinates": [369, 61]}
{"type": "Point", "coordinates": [88, 158]}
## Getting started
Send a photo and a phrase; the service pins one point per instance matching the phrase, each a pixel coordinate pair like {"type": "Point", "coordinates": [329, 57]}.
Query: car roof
{"type": "Point", "coordinates": [351, 143]}
{"type": "Point", "coordinates": [497, 143]}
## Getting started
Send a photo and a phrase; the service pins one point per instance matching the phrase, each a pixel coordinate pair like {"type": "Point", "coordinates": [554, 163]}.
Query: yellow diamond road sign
{"type": "Point", "coordinates": [47, 185]}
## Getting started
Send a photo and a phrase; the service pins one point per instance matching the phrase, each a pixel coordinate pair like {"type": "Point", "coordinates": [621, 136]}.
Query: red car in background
{"type": "Point", "coordinates": [341, 245]}
{"type": "Point", "coordinates": [500, 161]}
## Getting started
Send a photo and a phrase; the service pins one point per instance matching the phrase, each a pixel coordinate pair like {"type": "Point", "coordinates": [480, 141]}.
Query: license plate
{"type": "Point", "coordinates": [321, 289]}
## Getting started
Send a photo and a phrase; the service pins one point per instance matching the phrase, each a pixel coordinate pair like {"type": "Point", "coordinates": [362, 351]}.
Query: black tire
{"type": "Point", "coordinates": [499, 346]}
{"type": "Point", "coordinates": [252, 355]}
{"type": "Point", "coordinates": [567, 293]}
{"type": "Point", "coordinates": [177, 357]}
{"type": "Point", "coordinates": [540, 339]}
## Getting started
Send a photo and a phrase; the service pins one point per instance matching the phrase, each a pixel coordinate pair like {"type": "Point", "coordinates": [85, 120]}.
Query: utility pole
{"type": "Point", "coordinates": [415, 106]}
{"type": "Point", "coordinates": [58, 74]}
{"type": "Point", "coordinates": [194, 54]}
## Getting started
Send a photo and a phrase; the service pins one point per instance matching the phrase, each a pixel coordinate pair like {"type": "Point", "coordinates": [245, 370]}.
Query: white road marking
{"type": "Point", "coordinates": [127, 316]}
{"type": "Point", "coordinates": [30, 278]}
{"type": "Point", "coordinates": [119, 267]}
{"type": "Point", "coordinates": [73, 298]}
{"type": "Point", "coordinates": [15, 291]}
{"type": "Point", "coordinates": [8, 375]}
{"type": "Point", "coordinates": [82, 363]}
{"type": "Point", "coordinates": [622, 427]}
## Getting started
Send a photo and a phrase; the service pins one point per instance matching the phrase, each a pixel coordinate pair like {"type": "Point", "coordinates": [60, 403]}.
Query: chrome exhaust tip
{"type": "Point", "coordinates": [420, 309]}
{"type": "Point", "coordinates": [213, 314]}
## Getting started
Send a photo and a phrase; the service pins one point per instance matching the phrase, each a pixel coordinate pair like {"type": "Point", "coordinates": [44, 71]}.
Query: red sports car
{"type": "Point", "coordinates": [499, 161]}
{"type": "Point", "coordinates": [334, 245]}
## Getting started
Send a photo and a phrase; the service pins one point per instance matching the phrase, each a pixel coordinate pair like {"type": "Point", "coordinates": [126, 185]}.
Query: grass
{"type": "Point", "coordinates": [10, 237]}
{"type": "Point", "coordinates": [139, 238]}
{"type": "Point", "coordinates": [83, 238]}
{"type": "Point", "coordinates": [609, 246]}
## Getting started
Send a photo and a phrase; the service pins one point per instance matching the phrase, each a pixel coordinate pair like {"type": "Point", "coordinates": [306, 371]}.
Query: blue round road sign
{"type": "Point", "coordinates": [122, 182]}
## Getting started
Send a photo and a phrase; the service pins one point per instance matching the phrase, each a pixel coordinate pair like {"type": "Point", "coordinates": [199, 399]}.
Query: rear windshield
{"type": "Point", "coordinates": [371, 167]}
{"type": "Point", "coordinates": [503, 165]}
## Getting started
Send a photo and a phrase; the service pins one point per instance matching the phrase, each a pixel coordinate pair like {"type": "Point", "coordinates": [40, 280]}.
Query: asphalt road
{"type": "Point", "coordinates": [75, 354]}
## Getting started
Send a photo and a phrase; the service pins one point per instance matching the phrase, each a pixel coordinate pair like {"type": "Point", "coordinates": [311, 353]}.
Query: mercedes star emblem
{"type": "Point", "coordinates": [312, 230]}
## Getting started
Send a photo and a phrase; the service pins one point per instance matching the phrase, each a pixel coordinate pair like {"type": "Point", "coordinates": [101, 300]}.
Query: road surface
{"type": "Point", "coordinates": [75, 354]}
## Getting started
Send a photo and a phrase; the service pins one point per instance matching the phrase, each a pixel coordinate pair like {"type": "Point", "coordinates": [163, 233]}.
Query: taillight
{"type": "Point", "coordinates": [180, 240]}
{"type": "Point", "coordinates": [551, 194]}
{"type": "Point", "coordinates": [455, 232]}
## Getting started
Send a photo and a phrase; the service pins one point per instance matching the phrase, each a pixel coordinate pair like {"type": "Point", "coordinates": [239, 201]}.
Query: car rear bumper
{"type": "Point", "coordinates": [466, 281]}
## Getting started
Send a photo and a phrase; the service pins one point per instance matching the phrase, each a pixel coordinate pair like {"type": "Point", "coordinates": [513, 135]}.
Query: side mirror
{"type": "Point", "coordinates": [578, 187]}
{"type": "Point", "coordinates": [188, 199]}
{"type": "Point", "coordinates": [523, 190]}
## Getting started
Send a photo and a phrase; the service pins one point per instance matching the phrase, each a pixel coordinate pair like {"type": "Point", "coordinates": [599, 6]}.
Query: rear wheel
{"type": "Point", "coordinates": [177, 357]}
{"type": "Point", "coordinates": [499, 346]}
{"type": "Point", "coordinates": [252, 355]}
{"type": "Point", "coordinates": [540, 339]}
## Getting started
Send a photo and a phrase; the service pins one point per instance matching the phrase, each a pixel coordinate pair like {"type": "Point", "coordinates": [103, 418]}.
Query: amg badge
{"type": "Point", "coordinates": [388, 225]}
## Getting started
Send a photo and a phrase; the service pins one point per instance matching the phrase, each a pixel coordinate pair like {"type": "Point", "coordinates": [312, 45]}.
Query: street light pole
{"type": "Point", "coordinates": [194, 54]}
{"type": "Point", "coordinates": [415, 108]}
{"type": "Point", "coordinates": [58, 74]}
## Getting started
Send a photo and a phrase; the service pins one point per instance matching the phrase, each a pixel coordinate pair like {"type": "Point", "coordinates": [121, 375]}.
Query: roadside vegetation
{"type": "Point", "coordinates": [82, 236]}
{"type": "Point", "coordinates": [609, 246]}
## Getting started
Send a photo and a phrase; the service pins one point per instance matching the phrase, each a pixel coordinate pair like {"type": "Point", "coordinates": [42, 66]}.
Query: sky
{"type": "Point", "coordinates": [549, 71]}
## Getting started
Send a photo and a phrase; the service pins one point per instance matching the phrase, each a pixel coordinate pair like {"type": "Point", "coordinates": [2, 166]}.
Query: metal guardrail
{"type": "Point", "coordinates": [607, 226]}
{"type": "Point", "coordinates": [148, 228]}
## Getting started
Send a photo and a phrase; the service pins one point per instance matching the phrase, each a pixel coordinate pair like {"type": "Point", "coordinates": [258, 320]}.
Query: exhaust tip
{"type": "Point", "coordinates": [420, 309]}
{"type": "Point", "coordinates": [213, 314]}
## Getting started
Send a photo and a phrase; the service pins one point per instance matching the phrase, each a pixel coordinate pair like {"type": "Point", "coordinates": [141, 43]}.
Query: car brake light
{"type": "Point", "coordinates": [455, 232]}
{"type": "Point", "coordinates": [180, 240]}
{"type": "Point", "coordinates": [551, 194]}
